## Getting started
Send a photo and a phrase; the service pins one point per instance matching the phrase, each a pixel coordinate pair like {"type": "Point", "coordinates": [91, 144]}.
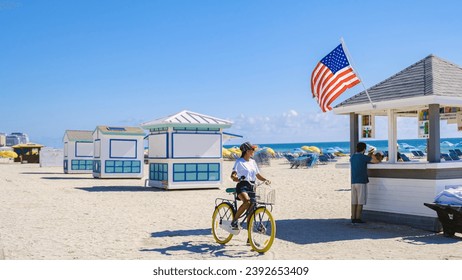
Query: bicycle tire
{"type": "Point", "coordinates": [223, 212]}
{"type": "Point", "coordinates": [261, 230]}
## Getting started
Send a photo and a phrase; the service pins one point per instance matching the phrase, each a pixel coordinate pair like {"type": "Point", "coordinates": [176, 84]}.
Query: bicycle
{"type": "Point", "coordinates": [261, 226]}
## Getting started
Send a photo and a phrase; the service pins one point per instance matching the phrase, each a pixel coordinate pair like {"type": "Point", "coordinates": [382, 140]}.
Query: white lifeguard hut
{"type": "Point", "coordinates": [118, 152]}
{"type": "Point", "coordinates": [185, 151]}
{"type": "Point", "coordinates": [78, 151]}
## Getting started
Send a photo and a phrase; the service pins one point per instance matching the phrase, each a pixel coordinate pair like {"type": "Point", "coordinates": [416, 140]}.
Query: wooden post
{"type": "Point", "coordinates": [392, 137]}
{"type": "Point", "coordinates": [354, 132]}
{"type": "Point", "coordinates": [433, 146]}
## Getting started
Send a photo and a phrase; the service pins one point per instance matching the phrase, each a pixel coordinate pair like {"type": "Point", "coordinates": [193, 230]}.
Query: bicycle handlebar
{"type": "Point", "coordinates": [267, 182]}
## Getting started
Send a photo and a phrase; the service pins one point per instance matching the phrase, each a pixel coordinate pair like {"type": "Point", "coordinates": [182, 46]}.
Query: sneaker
{"type": "Point", "coordinates": [235, 225]}
{"type": "Point", "coordinates": [357, 221]}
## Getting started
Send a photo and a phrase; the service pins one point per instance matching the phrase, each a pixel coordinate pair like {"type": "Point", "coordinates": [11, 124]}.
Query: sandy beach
{"type": "Point", "coordinates": [49, 215]}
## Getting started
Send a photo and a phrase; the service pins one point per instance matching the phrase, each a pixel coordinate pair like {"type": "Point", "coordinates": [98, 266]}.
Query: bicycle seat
{"type": "Point", "coordinates": [231, 190]}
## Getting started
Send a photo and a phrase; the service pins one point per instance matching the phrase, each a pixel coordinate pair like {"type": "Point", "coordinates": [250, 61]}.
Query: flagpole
{"type": "Point", "coordinates": [357, 74]}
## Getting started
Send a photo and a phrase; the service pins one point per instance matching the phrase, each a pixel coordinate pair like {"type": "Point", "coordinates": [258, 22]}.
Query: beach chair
{"type": "Point", "coordinates": [323, 159]}
{"type": "Point", "coordinates": [453, 155]}
{"type": "Point", "coordinates": [312, 160]}
{"type": "Point", "coordinates": [446, 157]}
{"type": "Point", "coordinates": [416, 154]}
{"type": "Point", "coordinates": [385, 154]}
{"type": "Point", "coordinates": [290, 158]}
{"type": "Point", "coordinates": [331, 157]}
{"type": "Point", "coordinates": [420, 153]}
{"type": "Point", "coordinates": [459, 152]}
{"type": "Point", "coordinates": [404, 157]}
{"type": "Point", "coordinates": [297, 162]}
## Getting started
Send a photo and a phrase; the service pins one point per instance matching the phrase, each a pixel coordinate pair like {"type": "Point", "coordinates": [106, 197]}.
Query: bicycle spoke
{"type": "Point", "coordinates": [221, 218]}
{"type": "Point", "coordinates": [262, 230]}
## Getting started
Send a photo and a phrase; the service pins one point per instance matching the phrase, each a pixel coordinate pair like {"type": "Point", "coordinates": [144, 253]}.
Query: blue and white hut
{"type": "Point", "coordinates": [185, 151]}
{"type": "Point", "coordinates": [118, 152]}
{"type": "Point", "coordinates": [78, 151]}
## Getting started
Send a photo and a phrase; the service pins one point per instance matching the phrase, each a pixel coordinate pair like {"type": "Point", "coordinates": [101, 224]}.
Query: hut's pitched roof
{"type": "Point", "coordinates": [426, 80]}
{"type": "Point", "coordinates": [187, 119]}
{"type": "Point", "coordinates": [79, 135]}
{"type": "Point", "coordinates": [119, 130]}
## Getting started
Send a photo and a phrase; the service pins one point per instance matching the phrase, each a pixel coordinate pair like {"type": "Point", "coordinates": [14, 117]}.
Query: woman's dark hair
{"type": "Point", "coordinates": [246, 146]}
{"type": "Point", "coordinates": [360, 147]}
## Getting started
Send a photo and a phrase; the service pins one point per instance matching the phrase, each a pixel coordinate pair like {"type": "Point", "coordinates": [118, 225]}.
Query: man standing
{"type": "Point", "coordinates": [359, 180]}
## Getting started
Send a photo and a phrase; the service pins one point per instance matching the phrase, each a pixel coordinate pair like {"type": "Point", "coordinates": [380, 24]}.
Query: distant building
{"type": "Point", "coordinates": [12, 140]}
{"type": "Point", "coordinates": [2, 139]}
{"type": "Point", "coordinates": [23, 138]}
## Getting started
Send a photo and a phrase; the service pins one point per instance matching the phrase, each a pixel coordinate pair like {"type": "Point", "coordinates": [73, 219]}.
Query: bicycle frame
{"type": "Point", "coordinates": [254, 205]}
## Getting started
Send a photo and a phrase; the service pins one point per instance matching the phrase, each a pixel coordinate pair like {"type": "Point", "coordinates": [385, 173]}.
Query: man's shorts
{"type": "Point", "coordinates": [358, 194]}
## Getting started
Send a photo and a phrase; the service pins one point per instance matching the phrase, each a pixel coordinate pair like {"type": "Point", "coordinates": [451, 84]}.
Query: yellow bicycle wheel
{"type": "Point", "coordinates": [222, 217]}
{"type": "Point", "coordinates": [262, 230]}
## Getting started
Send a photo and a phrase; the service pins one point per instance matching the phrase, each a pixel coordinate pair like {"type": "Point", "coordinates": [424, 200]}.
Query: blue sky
{"type": "Point", "coordinates": [79, 64]}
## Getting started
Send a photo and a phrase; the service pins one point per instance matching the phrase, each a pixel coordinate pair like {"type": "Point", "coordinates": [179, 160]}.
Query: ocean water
{"type": "Point", "coordinates": [405, 145]}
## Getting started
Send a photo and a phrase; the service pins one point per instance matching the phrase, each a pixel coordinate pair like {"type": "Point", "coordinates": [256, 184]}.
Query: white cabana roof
{"type": "Point", "coordinates": [431, 80]}
{"type": "Point", "coordinates": [187, 119]}
{"type": "Point", "coordinates": [79, 135]}
{"type": "Point", "coordinates": [119, 130]}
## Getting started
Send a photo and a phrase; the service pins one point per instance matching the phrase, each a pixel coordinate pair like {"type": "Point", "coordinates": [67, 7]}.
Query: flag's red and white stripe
{"type": "Point", "coordinates": [326, 86]}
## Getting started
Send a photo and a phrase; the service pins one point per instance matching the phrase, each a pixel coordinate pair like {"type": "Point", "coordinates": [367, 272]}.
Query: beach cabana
{"type": "Point", "coordinates": [78, 151]}
{"type": "Point", "coordinates": [185, 151]}
{"type": "Point", "coordinates": [118, 152]}
{"type": "Point", "coordinates": [397, 190]}
{"type": "Point", "coordinates": [27, 153]}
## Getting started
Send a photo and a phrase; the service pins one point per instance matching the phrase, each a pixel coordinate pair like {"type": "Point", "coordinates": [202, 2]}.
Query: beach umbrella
{"type": "Point", "coordinates": [266, 150]}
{"type": "Point", "coordinates": [311, 149]}
{"type": "Point", "coordinates": [235, 151]}
{"type": "Point", "coordinates": [8, 154]}
{"type": "Point", "coordinates": [271, 151]}
{"type": "Point", "coordinates": [225, 152]}
{"type": "Point", "coordinates": [305, 148]}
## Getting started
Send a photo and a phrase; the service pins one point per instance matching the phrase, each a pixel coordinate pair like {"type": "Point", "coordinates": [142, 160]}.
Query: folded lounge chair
{"type": "Point", "coordinates": [403, 157]}
{"type": "Point", "coordinates": [416, 154]}
{"type": "Point", "coordinates": [446, 157]}
{"type": "Point", "coordinates": [453, 155]}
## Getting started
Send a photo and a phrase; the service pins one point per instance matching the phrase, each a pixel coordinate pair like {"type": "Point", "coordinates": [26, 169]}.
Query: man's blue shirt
{"type": "Point", "coordinates": [359, 163]}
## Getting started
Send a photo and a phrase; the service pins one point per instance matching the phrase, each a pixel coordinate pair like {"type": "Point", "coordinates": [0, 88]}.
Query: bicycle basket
{"type": "Point", "coordinates": [266, 195]}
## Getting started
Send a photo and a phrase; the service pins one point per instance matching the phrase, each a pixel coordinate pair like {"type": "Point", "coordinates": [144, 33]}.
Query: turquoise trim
{"type": "Point", "coordinates": [196, 172]}
{"type": "Point", "coordinates": [158, 171]}
{"type": "Point", "coordinates": [77, 164]}
{"type": "Point", "coordinates": [122, 166]}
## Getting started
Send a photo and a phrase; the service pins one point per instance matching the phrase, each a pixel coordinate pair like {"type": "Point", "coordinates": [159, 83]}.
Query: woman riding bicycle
{"type": "Point", "coordinates": [245, 171]}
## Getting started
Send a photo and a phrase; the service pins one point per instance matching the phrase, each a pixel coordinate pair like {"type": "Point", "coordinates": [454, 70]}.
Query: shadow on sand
{"type": "Point", "coordinates": [199, 247]}
{"type": "Point", "coordinates": [311, 231]}
{"type": "Point", "coordinates": [68, 178]}
{"type": "Point", "coordinates": [119, 189]}
{"type": "Point", "coordinates": [35, 173]}
{"type": "Point", "coordinates": [304, 232]}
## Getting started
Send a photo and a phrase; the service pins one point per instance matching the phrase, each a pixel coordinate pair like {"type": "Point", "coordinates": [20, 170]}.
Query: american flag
{"type": "Point", "coordinates": [331, 77]}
